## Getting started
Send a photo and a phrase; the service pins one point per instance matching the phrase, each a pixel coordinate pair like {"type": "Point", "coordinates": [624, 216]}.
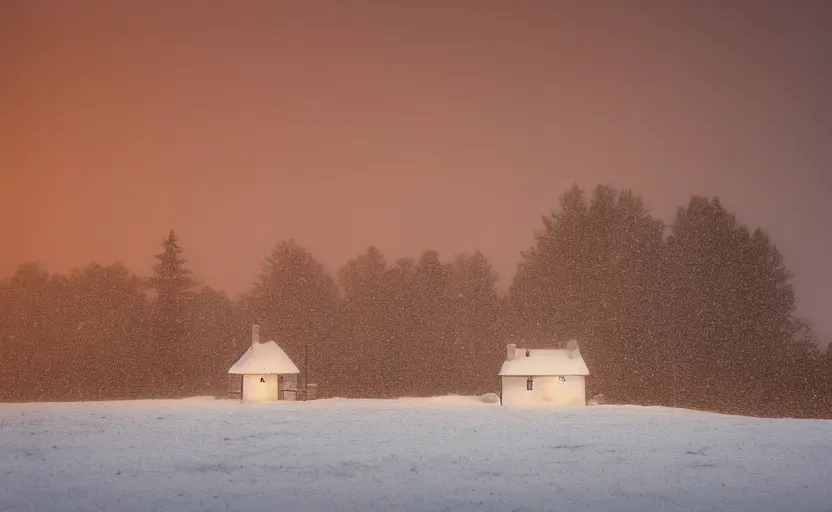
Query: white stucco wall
{"type": "Point", "coordinates": [256, 391]}
{"type": "Point", "coordinates": [546, 391]}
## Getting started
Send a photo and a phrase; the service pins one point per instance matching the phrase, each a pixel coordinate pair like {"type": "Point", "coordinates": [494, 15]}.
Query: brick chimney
{"type": "Point", "coordinates": [510, 348]}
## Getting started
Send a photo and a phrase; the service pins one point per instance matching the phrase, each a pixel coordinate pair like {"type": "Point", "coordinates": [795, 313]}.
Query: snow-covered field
{"type": "Point", "coordinates": [450, 453]}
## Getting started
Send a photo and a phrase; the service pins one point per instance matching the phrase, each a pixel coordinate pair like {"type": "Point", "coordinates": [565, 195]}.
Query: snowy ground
{"type": "Point", "coordinates": [428, 455]}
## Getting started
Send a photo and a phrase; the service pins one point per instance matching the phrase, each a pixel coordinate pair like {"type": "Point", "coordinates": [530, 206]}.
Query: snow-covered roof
{"type": "Point", "coordinates": [264, 358]}
{"type": "Point", "coordinates": [544, 362]}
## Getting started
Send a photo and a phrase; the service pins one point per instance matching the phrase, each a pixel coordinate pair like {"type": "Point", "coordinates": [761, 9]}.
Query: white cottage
{"type": "Point", "coordinates": [543, 376]}
{"type": "Point", "coordinates": [266, 372]}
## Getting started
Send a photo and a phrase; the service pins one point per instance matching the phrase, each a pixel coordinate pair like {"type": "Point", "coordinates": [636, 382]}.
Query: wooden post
{"type": "Point", "coordinates": [675, 384]}
{"type": "Point", "coordinates": [306, 373]}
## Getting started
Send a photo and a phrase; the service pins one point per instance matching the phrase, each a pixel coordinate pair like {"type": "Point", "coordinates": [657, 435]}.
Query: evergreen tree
{"type": "Point", "coordinates": [295, 302]}
{"type": "Point", "coordinates": [173, 284]}
{"type": "Point", "coordinates": [403, 332]}
{"type": "Point", "coordinates": [546, 291]}
{"type": "Point", "coordinates": [591, 275]}
{"type": "Point", "coordinates": [76, 334]}
{"type": "Point", "coordinates": [433, 354]}
{"type": "Point", "coordinates": [366, 324]}
{"type": "Point", "coordinates": [217, 337]}
{"type": "Point", "coordinates": [729, 308]}
{"type": "Point", "coordinates": [109, 312]}
{"type": "Point", "coordinates": [476, 337]}
{"type": "Point", "coordinates": [623, 246]}
{"type": "Point", "coordinates": [171, 279]}
{"type": "Point", "coordinates": [804, 372]}
{"type": "Point", "coordinates": [33, 298]}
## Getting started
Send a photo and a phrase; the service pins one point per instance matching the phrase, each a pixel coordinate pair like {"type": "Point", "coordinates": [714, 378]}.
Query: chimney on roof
{"type": "Point", "coordinates": [255, 335]}
{"type": "Point", "coordinates": [510, 348]}
{"type": "Point", "coordinates": [572, 346]}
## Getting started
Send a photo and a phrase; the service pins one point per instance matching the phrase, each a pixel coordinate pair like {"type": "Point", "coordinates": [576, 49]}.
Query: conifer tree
{"type": "Point", "coordinates": [366, 329]}
{"type": "Point", "coordinates": [591, 275]}
{"type": "Point", "coordinates": [295, 302]}
{"type": "Point", "coordinates": [729, 303]}
{"type": "Point", "coordinates": [173, 284]}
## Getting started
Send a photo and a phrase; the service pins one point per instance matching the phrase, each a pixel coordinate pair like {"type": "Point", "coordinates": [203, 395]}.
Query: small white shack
{"type": "Point", "coordinates": [554, 377]}
{"type": "Point", "coordinates": [266, 372]}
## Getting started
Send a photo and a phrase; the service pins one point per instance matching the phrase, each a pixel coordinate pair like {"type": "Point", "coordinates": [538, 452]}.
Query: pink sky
{"type": "Point", "coordinates": [452, 126]}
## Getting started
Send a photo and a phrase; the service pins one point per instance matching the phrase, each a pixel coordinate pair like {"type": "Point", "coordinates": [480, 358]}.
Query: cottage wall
{"type": "Point", "coordinates": [289, 387]}
{"type": "Point", "coordinates": [256, 391]}
{"type": "Point", "coordinates": [548, 390]}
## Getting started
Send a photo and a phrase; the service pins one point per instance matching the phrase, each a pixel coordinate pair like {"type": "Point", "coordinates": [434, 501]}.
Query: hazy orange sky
{"type": "Point", "coordinates": [448, 125]}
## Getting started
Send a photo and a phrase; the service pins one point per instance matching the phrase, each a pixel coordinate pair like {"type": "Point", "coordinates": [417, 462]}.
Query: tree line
{"type": "Point", "coordinates": [697, 314]}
